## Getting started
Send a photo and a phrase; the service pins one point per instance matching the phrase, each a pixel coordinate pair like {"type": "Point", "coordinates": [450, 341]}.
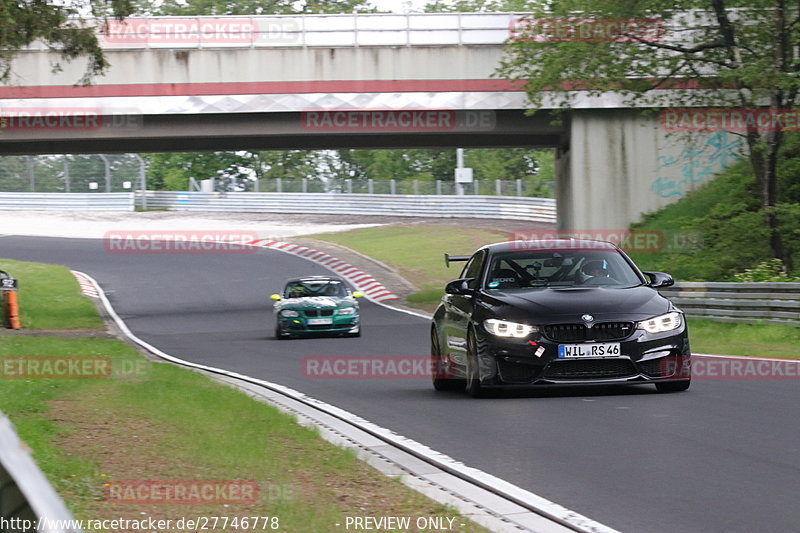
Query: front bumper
{"type": "Point", "coordinates": [299, 326]}
{"type": "Point", "coordinates": [645, 358]}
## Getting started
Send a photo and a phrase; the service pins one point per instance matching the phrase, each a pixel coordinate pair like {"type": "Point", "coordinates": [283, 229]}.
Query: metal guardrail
{"type": "Point", "coordinates": [62, 201]}
{"type": "Point", "coordinates": [770, 303]}
{"type": "Point", "coordinates": [501, 207]}
{"type": "Point", "coordinates": [25, 493]}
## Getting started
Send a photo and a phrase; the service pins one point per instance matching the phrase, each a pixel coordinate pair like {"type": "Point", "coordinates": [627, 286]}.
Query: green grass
{"type": "Point", "coordinates": [416, 251]}
{"type": "Point", "coordinates": [50, 297]}
{"type": "Point", "coordinates": [156, 421]}
{"type": "Point", "coordinates": [763, 340]}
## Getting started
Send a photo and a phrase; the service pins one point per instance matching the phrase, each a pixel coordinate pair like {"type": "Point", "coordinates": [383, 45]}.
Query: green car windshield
{"type": "Point", "coordinates": [310, 289]}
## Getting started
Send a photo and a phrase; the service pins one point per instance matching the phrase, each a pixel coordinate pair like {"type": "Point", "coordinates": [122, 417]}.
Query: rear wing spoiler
{"type": "Point", "coordinates": [452, 258]}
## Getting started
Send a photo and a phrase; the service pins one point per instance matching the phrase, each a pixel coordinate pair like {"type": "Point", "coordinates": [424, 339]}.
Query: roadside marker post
{"type": "Point", "coordinates": [8, 286]}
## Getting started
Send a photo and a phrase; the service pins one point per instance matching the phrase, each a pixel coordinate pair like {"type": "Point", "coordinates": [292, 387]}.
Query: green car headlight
{"type": "Point", "coordinates": [346, 311]}
{"type": "Point", "coordinates": [289, 313]}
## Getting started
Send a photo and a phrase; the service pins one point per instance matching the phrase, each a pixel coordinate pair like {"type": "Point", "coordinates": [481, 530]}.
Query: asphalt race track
{"type": "Point", "coordinates": [722, 457]}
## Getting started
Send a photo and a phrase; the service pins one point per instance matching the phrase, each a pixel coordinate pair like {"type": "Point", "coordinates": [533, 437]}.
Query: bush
{"type": "Point", "coordinates": [770, 270]}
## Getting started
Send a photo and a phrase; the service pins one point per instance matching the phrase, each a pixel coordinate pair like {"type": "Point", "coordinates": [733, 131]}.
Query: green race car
{"type": "Point", "coordinates": [316, 305]}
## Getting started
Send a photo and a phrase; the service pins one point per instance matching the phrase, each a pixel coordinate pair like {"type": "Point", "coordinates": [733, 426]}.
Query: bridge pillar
{"type": "Point", "coordinates": [619, 164]}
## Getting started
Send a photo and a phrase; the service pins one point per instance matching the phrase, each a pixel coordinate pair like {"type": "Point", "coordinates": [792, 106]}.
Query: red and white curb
{"type": "Point", "coordinates": [87, 287]}
{"type": "Point", "coordinates": [362, 281]}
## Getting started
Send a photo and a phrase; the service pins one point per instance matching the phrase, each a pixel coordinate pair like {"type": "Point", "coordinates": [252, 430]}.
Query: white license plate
{"type": "Point", "coordinates": [598, 349]}
{"type": "Point", "coordinates": [319, 321]}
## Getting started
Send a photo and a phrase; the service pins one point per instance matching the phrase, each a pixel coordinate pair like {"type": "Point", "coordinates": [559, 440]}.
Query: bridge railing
{"type": "Point", "coordinates": [770, 303]}
{"type": "Point", "coordinates": [331, 30]}
{"type": "Point", "coordinates": [26, 497]}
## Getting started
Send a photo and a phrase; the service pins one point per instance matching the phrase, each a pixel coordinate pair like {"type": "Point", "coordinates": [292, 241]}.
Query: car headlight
{"type": "Point", "coordinates": [346, 311]}
{"type": "Point", "coordinates": [288, 313]}
{"type": "Point", "coordinates": [661, 323]}
{"type": "Point", "coordinates": [503, 328]}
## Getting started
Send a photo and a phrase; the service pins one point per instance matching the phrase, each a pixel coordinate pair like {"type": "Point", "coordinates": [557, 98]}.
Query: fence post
{"type": "Point", "coordinates": [519, 187]}
{"type": "Point", "coordinates": [370, 186]}
{"type": "Point", "coordinates": [438, 187]}
{"type": "Point", "coordinates": [498, 188]}
{"type": "Point", "coordinates": [349, 185]}
{"type": "Point", "coordinates": [305, 185]}
{"type": "Point", "coordinates": [476, 187]}
{"type": "Point", "coordinates": [256, 185]}
{"type": "Point", "coordinates": [278, 185]}
{"type": "Point", "coordinates": [67, 183]}
{"type": "Point", "coordinates": [392, 187]}
{"type": "Point", "coordinates": [416, 187]}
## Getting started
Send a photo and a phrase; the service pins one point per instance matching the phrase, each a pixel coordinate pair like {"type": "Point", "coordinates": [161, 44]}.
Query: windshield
{"type": "Point", "coordinates": [557, 268]}
{"type": "Point", "coordinates": [310, 289]}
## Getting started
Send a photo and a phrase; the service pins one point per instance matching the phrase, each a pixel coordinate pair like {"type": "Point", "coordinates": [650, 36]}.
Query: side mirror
{"type": "Point", "coordinates": [460, 286]}
{"type": "Point", "coordinates": [275, 297]}
{"type": "Point", "coordinates": [358, 294]}
{"type": "Point", "coordinates": [659, 280]}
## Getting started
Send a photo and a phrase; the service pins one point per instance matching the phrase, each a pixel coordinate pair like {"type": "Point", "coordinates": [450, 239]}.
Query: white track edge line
{"type": "Point", "coordinates": [501, 487]}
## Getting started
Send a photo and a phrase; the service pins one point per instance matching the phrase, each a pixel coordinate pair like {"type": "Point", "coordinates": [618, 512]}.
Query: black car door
{"type": "Point", "coordinates": [458, 307]}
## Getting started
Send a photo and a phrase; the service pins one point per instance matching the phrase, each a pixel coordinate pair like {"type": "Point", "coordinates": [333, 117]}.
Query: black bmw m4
{"type": "Point", "coordinates": [557, 312]}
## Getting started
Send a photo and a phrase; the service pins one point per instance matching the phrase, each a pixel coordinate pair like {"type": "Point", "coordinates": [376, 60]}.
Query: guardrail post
{"type": "Point", "coordinates": [8, 286]}
{"type": "Point", "coordinates": [256, 185]}
{"type": "Point", "coordinates": [438, 187]}
{"type": "Point", "coordinates": [519, 187]}
{"type": "Point", "coordinates": [498, 187]}
{"type": "Point", "coordinates": [304, 183]}
{"type": "Point", "coordinates": [349, 185]}
{"type": "Point", "coordinates": [392, 187]}
{"type": "Point", "coordinates": [278, 185]}
{"type": "Point", "coordinates": [370, 186]}
{"type": "Point", "coordinates": [416, 187]}
{"type": "Point", "coordinates": [476, 187]}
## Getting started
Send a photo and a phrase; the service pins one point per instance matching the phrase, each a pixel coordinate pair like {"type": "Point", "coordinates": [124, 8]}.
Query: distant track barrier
{"type": "Point", "coordinates": [66, 201]}
{"type": "Point", "coordinates": [26, 497]}
{"type": "Point", "coordinates": [770, 303]}
{"type": "Point", "coordinates": [467, 206]}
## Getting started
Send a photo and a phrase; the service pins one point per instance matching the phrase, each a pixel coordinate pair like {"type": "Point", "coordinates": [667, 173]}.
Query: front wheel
{"type": "Point", "coordinates": [673, 386]}
{"type": "Point", "coordinates": [279, 333]}
{"type": "Point", "coordinates": [441, 375]}
{"type": "Point", "coordinates": [473, 385]}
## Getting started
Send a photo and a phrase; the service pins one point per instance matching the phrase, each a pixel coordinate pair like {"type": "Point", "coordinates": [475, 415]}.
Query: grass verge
{"type": "Point", "coordinates": [150, 422]}
{"type": "Point", "coordinates": [417, 252]}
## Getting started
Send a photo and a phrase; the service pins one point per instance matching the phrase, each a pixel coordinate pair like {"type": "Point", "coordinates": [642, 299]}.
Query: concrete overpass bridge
{"type": "Point", "coordinates": [345, 81]}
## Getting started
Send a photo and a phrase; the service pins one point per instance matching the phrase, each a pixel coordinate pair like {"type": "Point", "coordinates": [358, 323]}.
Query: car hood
{"type": "Point", "coordinates": [554, 305]}
{"type": "Point", "coordinates": [317, 302]}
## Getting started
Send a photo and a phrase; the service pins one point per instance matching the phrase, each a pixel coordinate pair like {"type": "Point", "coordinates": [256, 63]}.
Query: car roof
{"type": "Point", "coordinates": [315, 278]}
{"type": "Point", "coordinates": [550, 244]}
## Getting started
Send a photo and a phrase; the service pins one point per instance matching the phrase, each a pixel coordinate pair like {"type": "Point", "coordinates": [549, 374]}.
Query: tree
{"type": "Point", "coordinates": [740, 57]}
{"type": "Point", "coordinates": [62, 26]}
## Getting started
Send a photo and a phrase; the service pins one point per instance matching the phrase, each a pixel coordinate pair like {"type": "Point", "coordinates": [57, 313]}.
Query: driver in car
{"type": "Point", "coordinates": [595, 269]}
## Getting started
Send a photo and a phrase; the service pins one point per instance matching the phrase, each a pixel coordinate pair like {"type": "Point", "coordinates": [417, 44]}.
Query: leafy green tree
{"type": "Point", "coordinates": [62, 26]}
{"type": "Point", "coordinates": [474, 6]}
{"type": "Point", "coordinates": [741, 57]}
